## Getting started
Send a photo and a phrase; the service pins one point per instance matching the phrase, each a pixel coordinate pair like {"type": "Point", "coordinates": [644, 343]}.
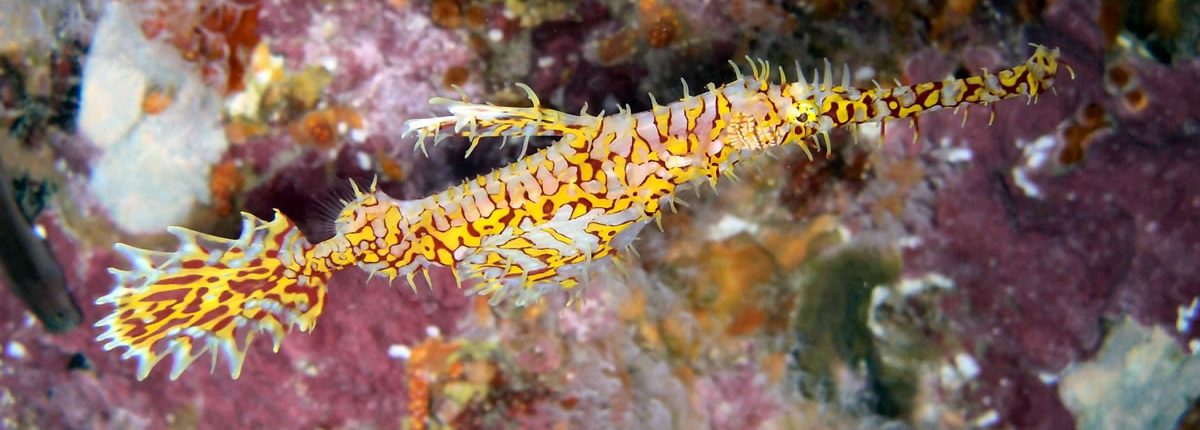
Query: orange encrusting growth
{"type": "Point", "coordinates": [536, 224]}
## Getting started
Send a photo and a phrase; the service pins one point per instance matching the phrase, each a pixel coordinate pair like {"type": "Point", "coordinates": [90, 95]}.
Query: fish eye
{"type": "Point", "coordinates": [804, 111]}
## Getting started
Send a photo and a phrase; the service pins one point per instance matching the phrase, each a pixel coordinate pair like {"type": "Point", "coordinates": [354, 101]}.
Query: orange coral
{"type": "Point", "coordinates": [446, 13]}
{"type": "Point", "coordinates": [456, 75]}
{"type": "Point", "coordinates": [455, 381]}
{"type": "Point", "coordinates": [476, 16]}
{"type": "Point", "coordinates": [616, 48]}
{"type": "Point", "coordinates": [241, 131]}
{"type": "Point", "coordinates": [317, 129]}
{"type": "Point", "coordinates": [156, 101]}
{"type": "Point", "coordinates": [1088, 122]}
{"type": "Point", "coordinates": [226, 181]}
{"type": "Point", "coordinates": [659, 23]}
{"type": "Point", "coordinates": [391, 169]}
{"type": "Point", "coordinates": [428, 362]}
{"type": "Point", "coordinates": [952, 17]}
{"type": "Point", "coordinates": [323, 128]}
{"type": "Point", "coordinates": [1121, 80]}
{"type": "Point", "coordinates": [659, 26]}
{"type": "Point", "coordinates": [1135, 100]}
{"type": "Point", "coordinates": [217, 35]}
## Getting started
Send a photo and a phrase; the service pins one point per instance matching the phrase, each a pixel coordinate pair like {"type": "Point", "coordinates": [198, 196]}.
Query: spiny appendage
{"type": "Point", "coordinates": [843, 105]}
{"type": "Point", "coordinates": [212, 294]}
{"type": "Point", "coordinates": [508, 274]}
{"type": "Point", "coordinates": [557, 254]}
{"type": "Point", "coordinates": [477, 121]}
{"type": "Point", "coordinates": [1030, 79]}
{"type": "Point", "coordinates": [522, 271]}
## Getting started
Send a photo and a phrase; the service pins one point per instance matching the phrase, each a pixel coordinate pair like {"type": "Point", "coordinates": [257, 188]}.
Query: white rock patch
{"type": "Point", "coordinates": [154, 168]}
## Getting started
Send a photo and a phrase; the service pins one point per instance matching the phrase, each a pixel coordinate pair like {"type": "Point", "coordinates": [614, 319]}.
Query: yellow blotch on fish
{"type": "Point", "coordinates": [541, 223]}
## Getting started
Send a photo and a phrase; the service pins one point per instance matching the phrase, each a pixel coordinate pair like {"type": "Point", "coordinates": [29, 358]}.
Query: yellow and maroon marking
{"type": "Point", "coordinates": [524, 228]}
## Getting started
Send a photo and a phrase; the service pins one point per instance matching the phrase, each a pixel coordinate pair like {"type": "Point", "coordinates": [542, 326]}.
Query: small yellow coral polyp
{"type": "Point", "coordinates": [534, 225]}
{"type": "Point", "coordinates": [265, 70]}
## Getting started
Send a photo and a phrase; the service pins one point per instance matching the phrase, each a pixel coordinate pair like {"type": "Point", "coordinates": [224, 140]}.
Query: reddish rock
{"type": "Point", "coordinates": [1038, 276]}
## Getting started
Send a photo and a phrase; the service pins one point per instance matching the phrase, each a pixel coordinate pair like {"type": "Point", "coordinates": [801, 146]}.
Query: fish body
{"type": "Point", "coordinates": [30, 269]}
{"type": "Point", "coordinates": [533, 225]}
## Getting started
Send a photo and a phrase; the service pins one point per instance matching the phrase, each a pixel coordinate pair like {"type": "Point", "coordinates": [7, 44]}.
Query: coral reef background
{"type": "Point", "coordinates": [1035, 273]}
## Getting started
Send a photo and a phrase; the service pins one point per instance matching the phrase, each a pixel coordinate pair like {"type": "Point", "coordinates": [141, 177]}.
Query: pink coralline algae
{"type": "Point", "coordinates": [1043, 254]}
{"type": "Point", "coordinates": [375, 49]}
{"type": "Point", "coordinates": [736, 400]}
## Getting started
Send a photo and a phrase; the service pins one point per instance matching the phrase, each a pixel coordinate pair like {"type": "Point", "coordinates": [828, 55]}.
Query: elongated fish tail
{"type": "Point", "coordinates": [824, 104]}
{"type": "Point", "coordinates": [477, 121]}
{"type": "Point", "coordinates": [213, 294]}
{"type": "Point", "coordinates": [1031, 78]}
